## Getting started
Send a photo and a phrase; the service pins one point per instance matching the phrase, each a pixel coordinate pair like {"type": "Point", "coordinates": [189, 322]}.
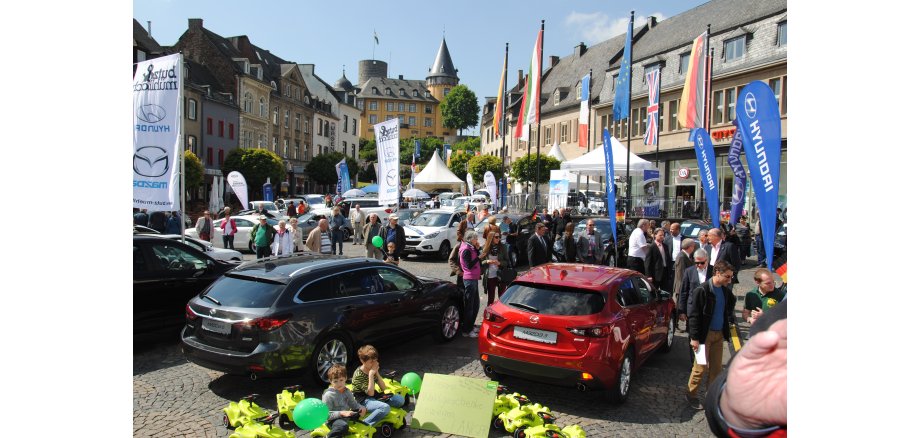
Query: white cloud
{"type": "Point", "coordinates": [598, 26]}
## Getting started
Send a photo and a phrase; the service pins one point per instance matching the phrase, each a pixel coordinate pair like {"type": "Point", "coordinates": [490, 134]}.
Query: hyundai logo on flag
{"type": "Point", "coordinates": [151, 161]}
{"type": "Point", "coordinates": [750, 105]}
{"type": "Point", "coordinates": [151, 113]}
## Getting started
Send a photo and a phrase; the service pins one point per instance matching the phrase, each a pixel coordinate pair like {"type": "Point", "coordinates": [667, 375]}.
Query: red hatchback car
{"type": "Point", "coordinates": [587, 326]}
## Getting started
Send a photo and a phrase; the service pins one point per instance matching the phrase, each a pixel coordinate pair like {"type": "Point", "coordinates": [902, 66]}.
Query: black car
{"type": "Point", "coordinates": [308, 312]}
{"type": "Point", "coordinates": [602, 225]}
{"type": "Point", "coordinates": [166, 274]}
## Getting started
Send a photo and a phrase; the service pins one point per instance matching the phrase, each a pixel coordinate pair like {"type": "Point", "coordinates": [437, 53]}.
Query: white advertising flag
{"type": "Point", "coordinates": [488, 180]}
{"type": "Point", "coordinates": [387, 135]}
{"type": "Point", "coordinates": [238, 184]}
{"type": "Point", "coordinates": [157, 140]}
{"type": "Point", "coordinates": [469, 183]}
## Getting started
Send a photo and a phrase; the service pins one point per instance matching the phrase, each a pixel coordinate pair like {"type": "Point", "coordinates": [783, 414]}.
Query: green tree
{"type": "Point", "coordinates": [459, 109]}
{"type": "Point", "coordinates": [478, 166]}
{"type": "Point", "coordinates": [427, 147]}
{"type": "Point", "coordinates": [194, 172]}
{"type": "Point", "coordinates": [470, 145]}
{"type": "Point", "coordinates": [322, 167]}
{"type": "Point", "coordinates": [256, 165]}
{"type": "Point", "coordinates": [367, 150]}
{"type": "Point", "coordinates": [458, 162]}
{"type": "Point", "coordinates": [524, 169]}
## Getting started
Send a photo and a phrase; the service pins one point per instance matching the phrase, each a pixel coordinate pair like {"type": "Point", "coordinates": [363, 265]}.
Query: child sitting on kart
{"type": "Point", "coordinates": [366, 380]}
{"type": "Point", "coordinates": [341, 403]}
{"type": "Point", "coordinates": [391, 256]}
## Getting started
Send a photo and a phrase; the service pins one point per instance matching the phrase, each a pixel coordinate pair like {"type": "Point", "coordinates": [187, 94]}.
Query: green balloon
{"type": "Point", "coordinates": [377, 241]}
{"type": "Point", "coordinates": [310, 413]}
{"type": "Point", "coordinates": [412, 381]}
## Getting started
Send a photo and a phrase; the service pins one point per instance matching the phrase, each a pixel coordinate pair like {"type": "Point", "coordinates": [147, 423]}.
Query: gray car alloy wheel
{"type": "Point", "coordinates": [625, 372]}
{"type": "Point", "coordinates": [671, 325]}
{"type": "Point", "coordinates": [450, 322]}
{"type": "Point", "coordinates": [334, 351]}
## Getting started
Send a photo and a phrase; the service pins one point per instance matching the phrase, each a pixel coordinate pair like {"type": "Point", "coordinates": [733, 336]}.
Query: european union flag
{"type": "Point", "coordinates": [621, 89]}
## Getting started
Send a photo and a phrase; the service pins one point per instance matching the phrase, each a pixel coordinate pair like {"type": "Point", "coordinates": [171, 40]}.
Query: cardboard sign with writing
{"type": "Point", "coordinates": [454, 404]}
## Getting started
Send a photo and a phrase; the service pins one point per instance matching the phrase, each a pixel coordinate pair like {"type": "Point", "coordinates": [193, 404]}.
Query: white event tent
{"type": "Point", "coordinates": [594, 163]}
{"type": "Point", "coordinates": [436, 175]}
{"type": "Point", "coordinates": [556, 152]}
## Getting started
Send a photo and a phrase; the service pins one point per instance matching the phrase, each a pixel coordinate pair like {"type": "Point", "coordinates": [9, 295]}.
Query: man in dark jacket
{"type": "Point", "coordinates": [722, 250]}
{"type": "Point", "coordinates": [141, 218]}
{"type": "Point", "coordinates": [537, 247]}
{"type": "Point", "coordinates": [395, 233]}
{"type": "Point", "coordinates": [158, 221]}
{"type": "Point", "coordinates": [692, 278]}
{"type": "Point", "coordinates": [656, 265]}
{"type": "Point", "coordinates": [709, 318]}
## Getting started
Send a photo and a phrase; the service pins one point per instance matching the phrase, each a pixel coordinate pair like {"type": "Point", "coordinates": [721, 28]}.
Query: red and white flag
{"type": "Point", "coordinates": [583, 114]}
{"type": "Point", "coordinates": [530, 105]}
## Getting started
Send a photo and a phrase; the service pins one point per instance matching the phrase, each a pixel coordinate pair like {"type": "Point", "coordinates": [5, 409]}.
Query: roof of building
{"type": "Point", "coordinates": [200, 77]}
{"type": "Point", "coordinates": [343, 84]}
{"type": "Point", "coordinates": [411, 87]}
{"type": "Point", "coordinates": [443, 66]}
{"type": "Point", "coordinates": [143, 40]}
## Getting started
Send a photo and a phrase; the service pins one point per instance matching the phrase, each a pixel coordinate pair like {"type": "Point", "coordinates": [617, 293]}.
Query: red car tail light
{"type": "Point", "coordinates": [491, 316]}
{"type": "Point", "coordinates": [189, 314]}
{"type": "Point", "coordinates": [593, 331]}
{"type": "Point", "coordinates": [388, 210]}
{"type": "Point", "coordinates": [265, 324]}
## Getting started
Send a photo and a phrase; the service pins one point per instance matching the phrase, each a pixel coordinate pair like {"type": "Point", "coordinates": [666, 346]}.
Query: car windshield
{"type": "Point", "coordinates": [237, 292]}
{"type": "Point", "coordinates": [690, 229]}
{"type": "Point", "coordinates": [431, 220]}
{"type": "Point", "coordinates": [316, 200]}
{"type": "Point", "coordinates": [602, 227]}
{"type": "Point", "coordinates": [553, 300]}
{"type": "Point", "coordinates": [265, 204]}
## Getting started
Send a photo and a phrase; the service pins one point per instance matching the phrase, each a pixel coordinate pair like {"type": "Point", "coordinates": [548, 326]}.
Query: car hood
{"type": "Point", "coordinates": [412, 230]}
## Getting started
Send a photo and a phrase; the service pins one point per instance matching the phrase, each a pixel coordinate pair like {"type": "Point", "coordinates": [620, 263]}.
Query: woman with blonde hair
{"type": "Point", "coordinates": [494, 256]}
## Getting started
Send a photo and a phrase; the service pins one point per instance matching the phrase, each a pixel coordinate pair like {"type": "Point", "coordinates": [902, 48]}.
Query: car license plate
{"type": "Point", "coordinates": [532, 334]}
{"type": "Point", "coordinates": [212, 325]}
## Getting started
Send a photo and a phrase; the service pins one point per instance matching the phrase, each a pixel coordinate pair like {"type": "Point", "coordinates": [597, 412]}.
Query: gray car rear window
{"type": "Point", "coordinates": [238, 292]}
{"type": "Point", "coordinates": [553, 301]}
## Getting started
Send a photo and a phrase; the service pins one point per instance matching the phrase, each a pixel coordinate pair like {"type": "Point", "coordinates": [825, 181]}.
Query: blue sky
{"type": "Point", "coordinates": [332, 34]}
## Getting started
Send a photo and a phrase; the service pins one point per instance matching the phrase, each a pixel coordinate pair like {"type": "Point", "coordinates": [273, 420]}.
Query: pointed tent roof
{"type": "Point", "coordinates": [594, 163]}
{"type": "Point", "coordinates": [556, 152]}
{"type": "Point", "coordinates": [436, 175]}
{"type": "Point", "coordinates": [443, 66]}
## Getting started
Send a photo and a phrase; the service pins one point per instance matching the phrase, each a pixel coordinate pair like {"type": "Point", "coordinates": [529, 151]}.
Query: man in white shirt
{"type": "Point", "coordinates": [357, 223]}
{"type": "Point", "coordinates": [722, 250]}
{"type": "Point", "coordinates": [638, 247]}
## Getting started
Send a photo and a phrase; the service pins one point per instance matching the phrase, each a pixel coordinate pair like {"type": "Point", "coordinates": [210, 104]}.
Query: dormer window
{"type": "Point", "coordinates": [274, 86]}
{"type": "Point", "coordinates": [781, 34]}
{"type": "Point", "coordinates": [389, 92]}
{"type": "Point", "coordinates": [734, 48]}
{"type": "Point", "coordinates": [414, 93]}
{"type": "Point", "coordinates": [375, 90]}
{"type": "Point", "coordinates": [578, 90]}
{"type": "Point", "coordinates": [556, 97]}
{"type": "Point", "coordinates": [402, 92]}
{"type": "Point", "coordinates": [427, 93]}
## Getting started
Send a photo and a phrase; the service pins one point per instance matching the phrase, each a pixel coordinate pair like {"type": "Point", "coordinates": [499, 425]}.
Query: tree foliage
{"type": "Point", "coordinates": [458, 160]}
{"type": "Point", "coordinates": [470, 145]}
{"type": "Point", "coordinates": [367, 150]}
{"type": "Point", "coordinates": [194, 172]}
{"type": "Point", "coordinates": [478, 166]}
{"type": "Point", "coordinates": [256, 165]}
{"type": "Point", "coordinates": [459, 109]}
{"type": "Point", "coordinates": [524, 169]}
{"type": "Point", "coordinates": [322, 167]}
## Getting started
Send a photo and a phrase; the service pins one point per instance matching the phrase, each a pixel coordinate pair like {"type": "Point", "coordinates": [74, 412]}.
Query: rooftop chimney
{"type": "Point", "coordinates": [195, 23]}
{"type": "Point", "coordinates": [400, 77]}
{"type": "Point", "coordinates": [580, 49]}
{"type": "Point", "coordinates": [553, 60]}
{"type": "Point", "coordinates": [652, 22]}
{"type": "Point", "coordinates": [150, 34]}
{"type": "Point", "coordinates": [520, 78]}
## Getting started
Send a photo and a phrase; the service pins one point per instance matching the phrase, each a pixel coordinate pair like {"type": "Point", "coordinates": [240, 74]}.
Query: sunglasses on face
{"type": "Point", "coordinates": [700, 263]}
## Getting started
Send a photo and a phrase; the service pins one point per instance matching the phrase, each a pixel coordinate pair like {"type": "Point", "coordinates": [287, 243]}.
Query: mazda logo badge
{"type": "Point", "coordinates": [535, 319]}
{"type": "Point", "coordinates": [750, 105]}
{"type": "Point", "coordinates": [392, 177]}
{"type": "Point", "coordinates": [151, 113]}
{"type": "Point", "coordinates": [151, 161]}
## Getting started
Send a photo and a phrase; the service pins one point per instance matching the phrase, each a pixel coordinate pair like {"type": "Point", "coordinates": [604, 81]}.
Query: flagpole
{"type": "Point", "coordinates": [658, 122]}
{"type": "Point", "coordinates": [536, 196]}
{"type": "Point", "coordinates": [504, 178]}
{"type": "Point", "coordinates": [707, 104]}
{"type": "Point", "coordinates": [629, 119]}
{"type": "Point", "coordinates": [182, 144]}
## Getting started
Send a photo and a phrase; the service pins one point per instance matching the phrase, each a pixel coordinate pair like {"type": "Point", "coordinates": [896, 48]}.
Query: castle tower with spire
{"type": "Point", "coordinates": [442, 76]}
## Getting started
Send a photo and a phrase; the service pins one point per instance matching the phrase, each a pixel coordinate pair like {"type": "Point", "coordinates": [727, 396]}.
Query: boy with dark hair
{"type": "Point", "coordinates": [341, 402]}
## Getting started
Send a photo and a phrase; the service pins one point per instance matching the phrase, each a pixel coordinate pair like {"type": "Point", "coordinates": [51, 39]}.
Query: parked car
{"type": "Point", "coordinates": [270, 208]}
{"type": "Point", "coordinates": [167, 274]}
{"type": "Point", "coordinates": [368, 205]}
{"type": "Point", "coordinates": [140, 229]}
{"type": "Point", "coordinates": [206, 247]}
{"type": "Point", "coordinates": [309, 221]}
{"type": "Point", "coordinates": [244, 224]}
{"type": "Point", "coordinates": [693, 227]}
{"type": "Point", "coordinates": [584, 326]}
{"type": "Point", "coordinates": [526, 225]}
{"type": "Point", "coordinates": [307, 312]}
{"type": "Point", "coordinates": [433, 232]}
{"type": "Point", "coordinates": [602, 225]}
{"type": "Point", "coordinates": [406, 215]}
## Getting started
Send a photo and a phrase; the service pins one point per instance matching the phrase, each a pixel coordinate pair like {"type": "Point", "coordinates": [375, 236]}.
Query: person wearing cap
{"type": "Point", "coordinates": [261, 237]}
{"type": "Point", "coordinates": [395, 233]}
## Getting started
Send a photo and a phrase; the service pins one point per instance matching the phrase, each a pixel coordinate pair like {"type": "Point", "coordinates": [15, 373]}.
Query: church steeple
{"type": "Point", "coordinates": [442, 71]}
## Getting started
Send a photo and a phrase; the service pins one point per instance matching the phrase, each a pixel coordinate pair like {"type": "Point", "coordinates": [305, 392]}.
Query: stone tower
{"type": "Point", "coordinates": [442, 76]}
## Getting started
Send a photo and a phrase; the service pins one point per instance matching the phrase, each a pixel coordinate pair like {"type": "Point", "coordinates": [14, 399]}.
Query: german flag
{"type": "Point", "coordinates": [621, 216]}
{"type": "Point", "coordinates": [779, 266]}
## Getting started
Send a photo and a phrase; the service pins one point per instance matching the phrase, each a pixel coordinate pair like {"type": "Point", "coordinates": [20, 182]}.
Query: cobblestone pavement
{"type": "Point", "coordinates": [173, 397]}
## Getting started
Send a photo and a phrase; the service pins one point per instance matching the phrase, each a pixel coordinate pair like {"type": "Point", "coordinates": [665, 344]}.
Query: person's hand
{"type": "Point", "coordinates": [695, 345]}
{"type": "Point", "coordinates": [755, 386]}
{"type": "Point", "coordinates": [683, 317]}
{"type": "Point", "coordinates": [755, 314]}
{"type": "Point", "coordinates": [346, 414]}
{"type": "Point", "coordinates": [362, 410]}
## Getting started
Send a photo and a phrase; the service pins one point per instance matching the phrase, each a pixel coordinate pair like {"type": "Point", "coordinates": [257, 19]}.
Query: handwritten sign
{"type": "Point", "coordinates": [454, 404]}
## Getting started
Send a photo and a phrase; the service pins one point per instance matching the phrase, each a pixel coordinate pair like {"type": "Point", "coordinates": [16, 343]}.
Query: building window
{"type": "Point", "coordinates": [411, 120]}
{"type": "Point", "coordinates": [372, 105]}
{"type": "Point", "coordinates": [287, 118]}
{"type": "Point", "coordinates": [263, 111]}
{"type": "Point", "coordinates": [296, 149]}
{"type": "Point", "coordinates": [192, 111]}
{"type": "Point", "coordinates": [427, 93]}
{"type": "Point", "coordinates": [446, 91]}
{"type": "Point", "coordinates": [389, 92]}
{"type": "Point", "coordinates": [247, 102]}
{"type": "Point", "coordinates": [779, 90]}
{"type": "Point", "coordinates": [412, 108]}
{"type": "Point", "coordinates": [354, 151]}
{"type": "Point", "coordinates": [547, 136]}
{"type": "Point", "coordinates": [389, 106]}
{"type": "Point", "coordinates": [578, 90]}
{"type": "Point", "coordinates": [718, 106]}
{"type": "Point", "coordinates": [781, 34]}
{"type": "Point", "coordinates": [275, 116]}
{"type": "Point", "coordinates": [730, 104]}
{"type": "Point", "coordinates": [672, 112]}
{"type": "Point", "coordinates": [402, 119]}
{"type": "Point", "coordinates": [564, 132]}
{"type": "Point", "coordinates": [684, 62]}
{"type": "Point", "coordinates": [372, 119]}
{"type": "Point", "coordinates": [287, 90]}
{"type": "Point", "coordinates": [210, 156]}
{"type": "Point", "coordinates": [285, 148]}
{"type": "Point", "coordinates": [262, 141]}
{"type": "Point", "coordinates": [325, 128]}
{"type": "Point", "coordinates": [297, 122]}
{"type": "Point", "coordinates": [220, 128]}
{"type": "Point", "coordinates": [210, 124]}
{"type": "Point", "coordinates": [401, 106]}
{"type": "Point", "coordinates": [414, 93]}
{"type": "Point", "coordinates": [427, 109]}
{"type": "Point", "coordinates": [354, 126]}
{"type": "Point", "coordinates": [231, 131]}
{"type": "Point", "coordinates": [361, 105]}
{"type": "Point", "coordinates": [192, 145]}
{"type": "Point", "coordinates": [275, 144]}
{"type": "Point", "coordinates": [428, 122]}
{"type": "Point", "coordinates": [635, 120]}
{"type": "Point", "coordinates": [734, 48]}
{"type": "Point", "coordinates": [220, 157]}
{"type": "Point", "coordinates": [375, 90]}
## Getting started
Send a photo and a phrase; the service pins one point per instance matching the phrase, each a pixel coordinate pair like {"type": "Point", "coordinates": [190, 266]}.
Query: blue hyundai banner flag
{"type": "Point", "coordinates": [609, 178]}
{"type": "Point", "coordinates": [418, 149]}
{"type": "Point", "coordinates": [734, 161]}
{"type": "Point", "coordinates": [758, 121]}
{"type": "Point", "coordinates": [709, 176]}
{"type": "Point", "coordinates": [504, 191]}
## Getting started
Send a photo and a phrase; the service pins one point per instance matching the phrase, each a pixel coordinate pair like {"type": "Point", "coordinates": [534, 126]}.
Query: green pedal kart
{"type": "Point", "coordinates": [261, 428]}
{"type": "Point", "coordinates": [287, 401]}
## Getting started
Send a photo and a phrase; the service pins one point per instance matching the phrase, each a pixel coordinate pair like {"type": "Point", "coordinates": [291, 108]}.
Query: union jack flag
{"type": "Point", "coordinates": [651, 132]}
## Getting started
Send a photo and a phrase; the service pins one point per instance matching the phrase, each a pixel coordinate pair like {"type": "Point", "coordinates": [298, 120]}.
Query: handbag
{"type": "Point", "coordinates": [507, 274]}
